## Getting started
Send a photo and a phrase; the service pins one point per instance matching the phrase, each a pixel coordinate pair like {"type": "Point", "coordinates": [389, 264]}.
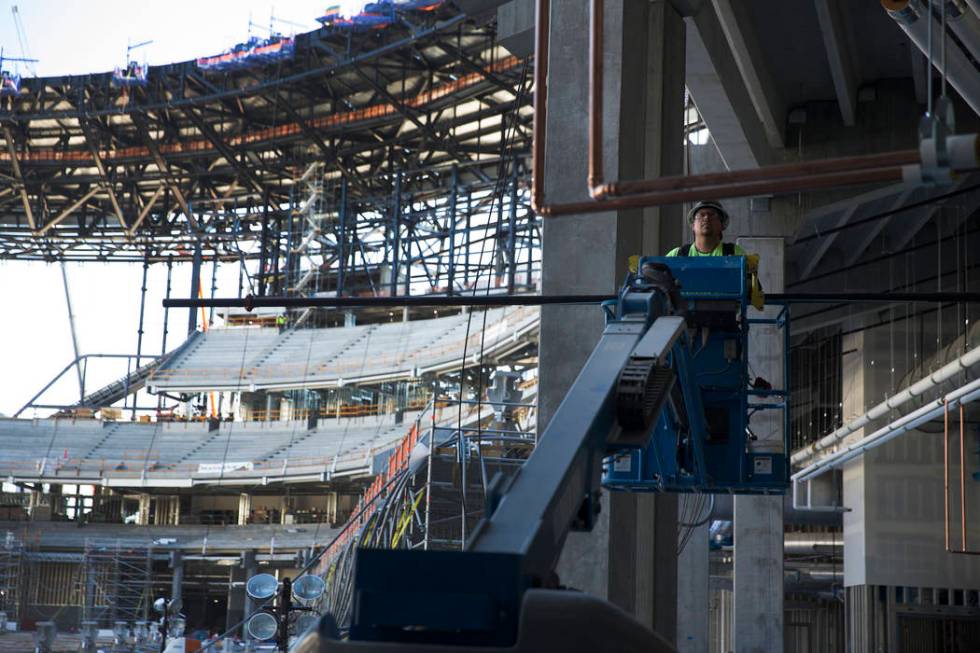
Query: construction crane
{"type": "Point", "coordinates": [22, 40]}
{"type": "Point", "coordinates": [10, 81]}
{"type": "Point", "coordinates": [664, 403]}
{"type": "Point", "coordinates": [134, 74]}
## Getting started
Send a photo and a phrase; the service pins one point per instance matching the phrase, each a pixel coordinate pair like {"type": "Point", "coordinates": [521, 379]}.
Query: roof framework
{"type": "Point", "coordinates": [396, 120]}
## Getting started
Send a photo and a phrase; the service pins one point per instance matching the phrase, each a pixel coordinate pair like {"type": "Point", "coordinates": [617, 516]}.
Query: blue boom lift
{"type": "Point", "coordinates": [664, 403]}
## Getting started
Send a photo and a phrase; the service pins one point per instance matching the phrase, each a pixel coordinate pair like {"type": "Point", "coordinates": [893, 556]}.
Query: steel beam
{"type": "Point", "coordinates": [106, 182]}
{"type": "Point", "coordinates": [66, 212]}
{"type": "Point", "coordinates": [755, 74]}
{"type": "Point", "coordinates": [842, 62]}
{"type": "Point", "coordinates": [15, 164]}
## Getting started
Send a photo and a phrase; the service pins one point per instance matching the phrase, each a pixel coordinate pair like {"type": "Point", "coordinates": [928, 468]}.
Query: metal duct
{"type": "Point", "coordinates": [932, 410]}
{"type": "Point", "coordinates": [914, 19]}
{"type": "Point", "coordinates": [723, 511]}
{"type": "Point", "coordinates": [809, 543]}
{"type": "Point", "coordinates": [961, 364]}
{"type": "Point", "coordinates": [965, 24]}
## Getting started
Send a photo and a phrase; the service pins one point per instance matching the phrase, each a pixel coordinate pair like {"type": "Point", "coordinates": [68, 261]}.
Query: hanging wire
{"type": "Point", "coordinates": [497, 193]}
{"type": "Point", "coordinates": [929, 68]}
{"type": "Point", "coordinates": [942, 45]}
{"type": "Point", "coordinates": [224, 455]}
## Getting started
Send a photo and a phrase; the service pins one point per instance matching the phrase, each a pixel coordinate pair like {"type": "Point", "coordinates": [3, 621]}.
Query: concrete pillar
{"type": "Point", "coordinates": [758, 565]}
{"type": "Point", "coordinates": [693, 598]}
{"type": "Point", "coordinates": [177, 582]}
{"type": "Point", "coordinates": [244, 508]}
{"type": "Point", "coordinates": [636, 537]}
{"type": "Point", "coordinates": [143, 515]}
{"type": "Point", "coordinates": [251, 567]}
{"type": "Point", "coordinates": [195, 286]}
{"type": "Point", "coordinates": [236, 596]}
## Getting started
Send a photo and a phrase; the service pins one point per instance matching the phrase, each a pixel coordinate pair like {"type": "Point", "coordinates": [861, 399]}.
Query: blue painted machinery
{"type": "Point", "coordinates": [701, 441]}
{"type": "Point", "coordinates": [664, 403]}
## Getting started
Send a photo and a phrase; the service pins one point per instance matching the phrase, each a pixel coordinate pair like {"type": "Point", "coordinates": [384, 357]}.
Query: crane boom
{"type": "Point", "coordinates": [25, 51]}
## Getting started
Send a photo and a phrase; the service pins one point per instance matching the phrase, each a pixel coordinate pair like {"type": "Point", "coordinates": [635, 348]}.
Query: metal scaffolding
{"type": "Point", "coordinates": [197, 163]}
{"type": "Point", "coordinates": [433, 491]}
{"type": "Point", "coordinates": [11, 573]}
{"type": "Point", "coordinates": [116, 580]}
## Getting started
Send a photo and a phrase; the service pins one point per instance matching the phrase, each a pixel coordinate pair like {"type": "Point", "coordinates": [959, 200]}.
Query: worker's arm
{"type": "Point", "coordinates": [674, 251]}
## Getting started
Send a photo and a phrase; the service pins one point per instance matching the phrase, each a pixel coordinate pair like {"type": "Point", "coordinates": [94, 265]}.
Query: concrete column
{"type": "Point", "coordinates": [143, 515]}
{"type": "Point", "coordinates": [177, 582]}
{"type": "Point", "coordinates": [236, 596]}
{"type": "Point", "coordinates": [244, 508]}
{"type": "Point", "coordinates": [251, 567]}
{"type": "Point", "coordinates": [693, 598]}
{"type": "Point", "coordinates": [758, 566]}
{"type": "Point", "coordinates": [631, 554]}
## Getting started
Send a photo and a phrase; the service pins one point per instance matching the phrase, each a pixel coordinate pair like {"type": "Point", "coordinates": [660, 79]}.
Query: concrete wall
{"type": "Point", "coordinates": [894, 534]}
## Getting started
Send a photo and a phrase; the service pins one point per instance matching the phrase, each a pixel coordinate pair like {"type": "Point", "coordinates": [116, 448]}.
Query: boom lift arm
{"type": "Point", "coordinates": [639, 394]}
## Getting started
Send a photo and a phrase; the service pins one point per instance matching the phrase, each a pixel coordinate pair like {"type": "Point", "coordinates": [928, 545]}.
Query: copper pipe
{"type": "Point", "coordinates": [962, 480]}
{"type": "Point", "coordinates": [542, 11]}
{"type": "Point", "coordinates": [785, 178]}
{"type": "Point", "coordinates": [596, 172]}
{"type": "Point", "coordinates": [946, 471]}
{"type": "Point", "coordinates": [767, 187]}
{"type": "Point", "coordinates": [784, 171]}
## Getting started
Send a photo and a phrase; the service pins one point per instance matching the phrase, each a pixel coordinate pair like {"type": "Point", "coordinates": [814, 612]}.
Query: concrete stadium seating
{"type": "Point", "coordinates": [255, 358]}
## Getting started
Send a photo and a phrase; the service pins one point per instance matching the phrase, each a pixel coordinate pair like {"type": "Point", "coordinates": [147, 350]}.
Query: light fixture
{"type": "Point", "coordinates": [262, 626]}
{"type": "Point", "coordinates": [262, 586]}
{"type": "Point", "coordinates": [305, 622]}
{"type": "Point", "coordinates": [308, 587]}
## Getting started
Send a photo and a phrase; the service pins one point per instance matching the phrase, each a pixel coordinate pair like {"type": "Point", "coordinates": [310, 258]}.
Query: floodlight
{"type": "Point", "coordinates": [162, 605]}
{"type": "Point", "coordinates": [305, 622]}
{"type": "Point", "coordinates": [177, 626]}
{"type": "Point", "coordinates": [262, 586]}
{"type": "Point", "coordinates": [262, 625]}
{"type": "Point", "coordinates": [308, 587]}
{"type": "Point", "coordinates": [120, 632]}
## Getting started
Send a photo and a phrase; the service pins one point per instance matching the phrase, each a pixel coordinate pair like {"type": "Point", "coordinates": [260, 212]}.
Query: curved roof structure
{"type": "Point", "coordinates": [198, 154]}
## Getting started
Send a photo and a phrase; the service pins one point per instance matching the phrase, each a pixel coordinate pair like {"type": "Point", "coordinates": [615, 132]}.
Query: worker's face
{"type": "Point", "coordinates": [707, 222]}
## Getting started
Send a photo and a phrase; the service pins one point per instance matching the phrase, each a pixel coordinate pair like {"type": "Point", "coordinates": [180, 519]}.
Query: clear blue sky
{"type": "Point", "coordinates": [78, 36]}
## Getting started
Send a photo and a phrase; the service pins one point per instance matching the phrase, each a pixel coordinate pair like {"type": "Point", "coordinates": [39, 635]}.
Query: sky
{"type": "Point", "coordinates": [79, 36]}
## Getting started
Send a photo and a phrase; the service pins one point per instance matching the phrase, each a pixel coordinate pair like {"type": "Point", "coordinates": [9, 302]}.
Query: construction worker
{"type": "Point", "coordinates": [281, 322]}
{"type": "Point", "coordinates": [708, 220]}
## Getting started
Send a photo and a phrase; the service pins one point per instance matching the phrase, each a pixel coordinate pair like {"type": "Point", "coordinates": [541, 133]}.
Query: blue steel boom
{"type": "Point", "coordinates": [662, 404]}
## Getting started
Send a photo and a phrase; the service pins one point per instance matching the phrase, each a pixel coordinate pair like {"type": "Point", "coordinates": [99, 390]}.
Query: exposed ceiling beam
{"type": "Point", "coordinates": [226, 151]}
{"type": "Point", "coordinates": [956, 210]}
{"type": "Point", "coordinates": [720, 97]}
{"type": "Point", "coordinates": [151, 144]}
{"type": "Point", "coordinates": [857, 244]}
{"type": "Point", "coordinates": [146, 209]}
{"type": "Point", "coordinates": [67, 212]}
{"type": "Point", "coordinates": [839, 56]}
{"type": "Point", "coordinates": [106, 183]}
{"type": "Point", "coordinates": [15, 163]}
{"type": "Point", "coordinates": [751, 64]}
